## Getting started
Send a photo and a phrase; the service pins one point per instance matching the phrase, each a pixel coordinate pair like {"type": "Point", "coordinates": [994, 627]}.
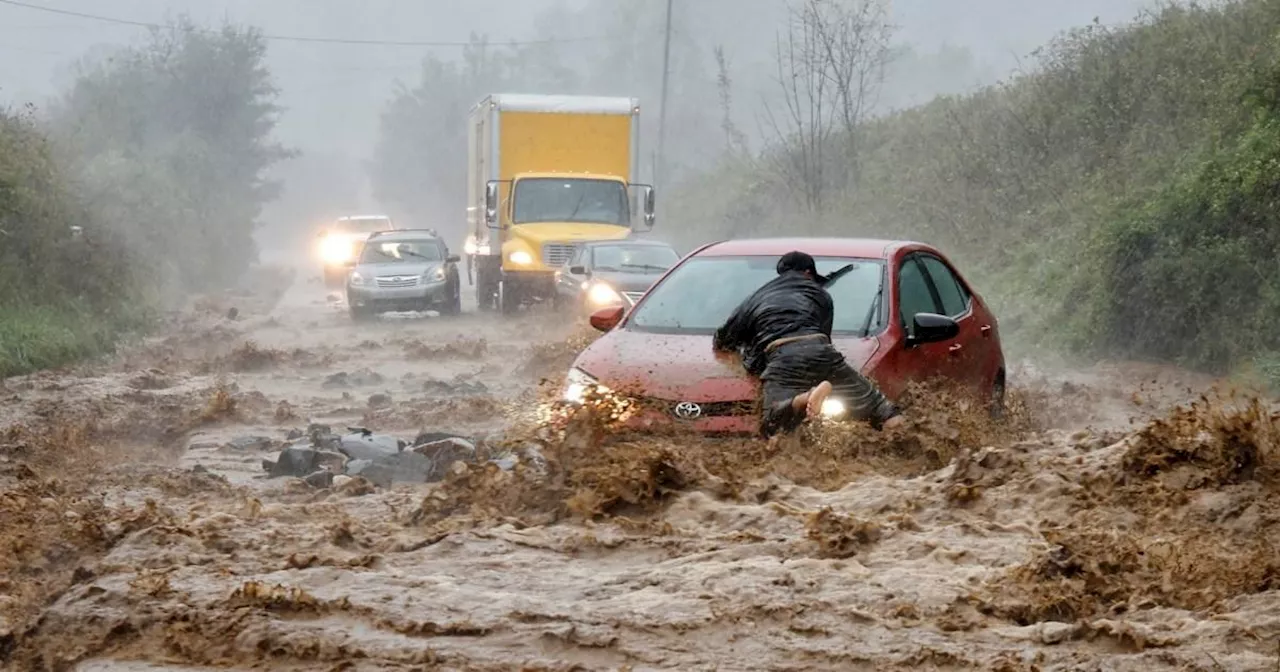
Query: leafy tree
{"type": "Point", "coordinates": [419, 160]}
{"type": "Point", "coordinates": [172, 140]}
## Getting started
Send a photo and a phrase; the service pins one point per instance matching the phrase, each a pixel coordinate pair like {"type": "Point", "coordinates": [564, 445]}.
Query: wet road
{"type": "Point", "coordinates": [153, 544]}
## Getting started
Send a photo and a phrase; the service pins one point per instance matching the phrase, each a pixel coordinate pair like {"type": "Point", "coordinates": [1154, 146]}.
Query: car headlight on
{"type": "Point", "coordinates": [470, 247]}
{"type": "Point", "coordinates": [832, 408]}
{"type": "Point", "coordinates": [521, 257]}
{"type": "Point", "coordinates": [356, 278]}
{"type": "Point", "coordinates": [437, 275]}
{"type": "Point", "coordinates": [576, 384]}
{"type": "Point", "coordinates": [335, 250]}
{"type": "Point", "coordinates": [602, 294]}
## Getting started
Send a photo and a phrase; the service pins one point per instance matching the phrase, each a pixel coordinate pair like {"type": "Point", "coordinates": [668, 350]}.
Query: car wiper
{"type": "Point", "coordinates": [838, 273]}
{"type": "Point", "coordinates": [420, 256]}
{"type": "Point", "coordinates": [874, 309]}
{"type": "Point", "coordinates": [576, 207]}
{"type": "Point", "coordinates": [647, 267]}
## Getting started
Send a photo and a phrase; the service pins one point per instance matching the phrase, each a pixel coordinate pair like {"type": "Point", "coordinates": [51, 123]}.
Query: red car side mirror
{"type": "Point", "coordinates": [607, 318]}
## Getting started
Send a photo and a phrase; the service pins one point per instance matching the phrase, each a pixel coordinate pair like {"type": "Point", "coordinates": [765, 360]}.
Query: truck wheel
{"type": "Point", "coordinates": [453, 305]}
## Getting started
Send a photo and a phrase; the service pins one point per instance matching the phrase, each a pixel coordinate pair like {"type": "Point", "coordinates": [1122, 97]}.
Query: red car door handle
{"type": "Point", "coordinates": [955, 349]}
{"type": "Point", "coordinates": [986, 331]}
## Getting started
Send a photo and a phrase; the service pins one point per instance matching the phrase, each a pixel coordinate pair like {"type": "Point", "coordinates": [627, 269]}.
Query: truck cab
{"type": "Point", "coordinates": [547, 173]}
{"type": "Point", "coordinates": [547, 214]}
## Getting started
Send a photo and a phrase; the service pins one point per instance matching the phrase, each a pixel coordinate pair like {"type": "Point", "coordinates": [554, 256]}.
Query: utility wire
{"type": "Point", "coordinates": [297, 38]}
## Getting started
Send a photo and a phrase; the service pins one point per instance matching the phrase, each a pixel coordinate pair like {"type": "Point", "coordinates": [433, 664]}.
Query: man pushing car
{"type": "Point", "coordinates": [783, 334]}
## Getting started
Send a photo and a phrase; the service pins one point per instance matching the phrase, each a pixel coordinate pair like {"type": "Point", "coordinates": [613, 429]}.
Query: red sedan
{"type": "Point", "coordinates": [904, 313]}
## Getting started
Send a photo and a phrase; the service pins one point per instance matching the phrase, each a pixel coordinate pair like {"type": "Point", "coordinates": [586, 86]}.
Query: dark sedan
{"type": "Point", "coordinates": [606, 273]}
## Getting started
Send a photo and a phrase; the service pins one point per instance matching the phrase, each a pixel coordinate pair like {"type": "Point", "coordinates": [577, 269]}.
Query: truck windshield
{"type": "Point", "coordinates": [539, 199]}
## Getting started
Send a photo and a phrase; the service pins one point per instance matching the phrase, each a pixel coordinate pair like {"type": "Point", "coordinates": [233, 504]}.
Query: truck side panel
{"type": "Point", "coordinates": [564, 143]}
{"type": "Point", "coordinates": [481, 167]}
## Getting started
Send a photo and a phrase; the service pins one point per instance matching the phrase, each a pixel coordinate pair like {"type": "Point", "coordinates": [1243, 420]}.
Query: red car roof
{"type": "Point", "coordinates": [834, 247]}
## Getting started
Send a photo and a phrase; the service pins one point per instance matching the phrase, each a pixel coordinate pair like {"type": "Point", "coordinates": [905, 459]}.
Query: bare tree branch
{"type": "Point", "coordinates": [830, 69]}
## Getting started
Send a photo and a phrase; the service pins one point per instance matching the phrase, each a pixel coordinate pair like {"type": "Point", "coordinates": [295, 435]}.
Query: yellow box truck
{"type": "Point", "coordinates": [544, 173]}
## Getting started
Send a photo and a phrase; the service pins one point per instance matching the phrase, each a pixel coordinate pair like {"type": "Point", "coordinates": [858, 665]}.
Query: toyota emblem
{"type": "Point", "coordinates": [397, 279]}
{"type": "Point", "coordinates": [687, 410]}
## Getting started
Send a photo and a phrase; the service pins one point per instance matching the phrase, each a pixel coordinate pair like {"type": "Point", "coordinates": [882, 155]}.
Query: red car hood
{"type": "Point", "coordinates": [681, 367]}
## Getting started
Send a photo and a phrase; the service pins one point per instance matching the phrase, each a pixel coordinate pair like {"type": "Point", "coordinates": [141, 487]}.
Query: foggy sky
{"type": "Point", "coordinates": [333, 94]}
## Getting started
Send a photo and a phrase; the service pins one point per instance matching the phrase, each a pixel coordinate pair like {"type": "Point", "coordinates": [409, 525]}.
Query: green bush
{"type": "Point", "coordinates": [1118, 199]}
{"type": "Point", "coordinates": [156, 157]}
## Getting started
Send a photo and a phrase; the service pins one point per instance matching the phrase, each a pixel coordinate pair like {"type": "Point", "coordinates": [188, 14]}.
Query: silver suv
{"type": "Point", "coordinates": [408, 269]}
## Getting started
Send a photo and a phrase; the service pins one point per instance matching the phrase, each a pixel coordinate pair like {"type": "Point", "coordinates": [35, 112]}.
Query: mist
{"type": "Point", "coordinates": [225, 439]}
{"type": "Point", "coordinates": [332, 96]}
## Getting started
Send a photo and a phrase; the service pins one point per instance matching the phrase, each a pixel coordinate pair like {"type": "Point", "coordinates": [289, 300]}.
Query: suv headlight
{"type": "Point", "coordinates": [576, 384]}
{"type": "Point", "coordinates": [436, 275]}
{"type": "Point", "coordinates": [356, 278]}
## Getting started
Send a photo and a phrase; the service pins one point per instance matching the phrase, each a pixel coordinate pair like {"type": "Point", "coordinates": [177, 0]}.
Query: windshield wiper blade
{"type": "Point", "coordinates": [838, 273]}
{"type": "Point", "coordinates": [647, 267]}
{"type": "Point", "coordinates": [874, 309]}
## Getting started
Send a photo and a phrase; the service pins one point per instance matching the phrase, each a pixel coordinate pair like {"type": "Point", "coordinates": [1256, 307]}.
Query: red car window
{"type": "Point", "coordinates": [914, 295]}
{"type": "Point", "coordinates": [955, 300]}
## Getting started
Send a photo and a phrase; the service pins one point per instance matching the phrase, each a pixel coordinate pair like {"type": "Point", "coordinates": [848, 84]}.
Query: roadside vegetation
{"type": "Point", "coordinates": [1117, 199]}
{"type": "Point", "coordinates": [140, 184]}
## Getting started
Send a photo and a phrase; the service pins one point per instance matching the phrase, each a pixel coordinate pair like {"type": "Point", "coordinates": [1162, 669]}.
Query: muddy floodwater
{"type": "Point", "coordinates": [1118, 520]}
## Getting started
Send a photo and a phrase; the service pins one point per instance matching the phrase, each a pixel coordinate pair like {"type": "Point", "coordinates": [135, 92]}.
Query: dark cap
{"type": "Point", "coordinates": [799, 261]}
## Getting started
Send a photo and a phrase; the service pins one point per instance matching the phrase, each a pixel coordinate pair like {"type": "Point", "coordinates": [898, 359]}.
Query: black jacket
{"type": "Point", "coordinates": [792, 304]}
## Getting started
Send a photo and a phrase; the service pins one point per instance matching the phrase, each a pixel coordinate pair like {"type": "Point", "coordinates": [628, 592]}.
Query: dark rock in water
{"type": "Point", "coordinates": [249, 443]}
{"type": "Point", "coordinates": [424, 438]}
{"type": "Point", "coordinates": [303, 460]}
{"type": "Point", "coordinates": [199, 469]}
{"type": "Point", "coordinates": [408, 467]}
{"type": "Point", "coordinates": [450, 449]}
{"type": "Point", "coordinates": [339, 379]}
{"type": "Point", "coordinates": [457, 389]}
{"type": "Point", "coordinates": [355, 467]}
{"type": "Point", "coordinates": [380, 400]}
{"type": "Point", "coordinates": [359, 378]}
{"type": "Point", "coordinates": [293, 461]}
{"type": "Point", "coordinates": [323, 438]}
{"type": "Point", "coordinates": [379, 474]}
{"type": "Point", "coordinates": [320, 479]}
{"type": "Point", "coordinates": [233, 313]}
{"type": "Point", "coordinates": [369, 446]}
{"type": "Point", "coordinates": [294, 435]}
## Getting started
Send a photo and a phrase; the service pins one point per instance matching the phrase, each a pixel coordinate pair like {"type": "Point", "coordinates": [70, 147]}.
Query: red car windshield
{"type": "Point", "coordinates": [699, 294]}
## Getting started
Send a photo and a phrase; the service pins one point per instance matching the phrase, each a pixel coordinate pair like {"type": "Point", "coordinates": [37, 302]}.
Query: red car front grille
{"type": "Point", "coordinates": [695, 410]}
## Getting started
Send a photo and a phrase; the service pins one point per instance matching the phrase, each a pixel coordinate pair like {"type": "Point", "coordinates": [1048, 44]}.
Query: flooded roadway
{"type": "Point", "coordinates": [140, 531]}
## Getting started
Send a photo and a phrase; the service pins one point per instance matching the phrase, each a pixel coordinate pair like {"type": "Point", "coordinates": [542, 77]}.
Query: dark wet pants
{"type": "Point", "coordinates": [796, 367]}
